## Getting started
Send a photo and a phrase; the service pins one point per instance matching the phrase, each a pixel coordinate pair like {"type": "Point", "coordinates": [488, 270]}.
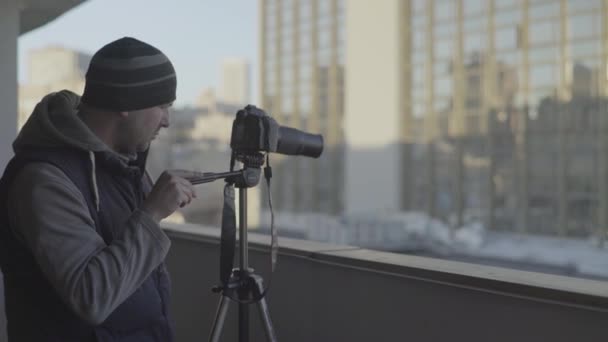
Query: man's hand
{"type": "Point", "coordinates": [171, 191]}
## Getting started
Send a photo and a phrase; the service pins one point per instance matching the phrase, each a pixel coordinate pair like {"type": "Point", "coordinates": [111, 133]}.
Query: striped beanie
{"type": "Point", "coordinates": [128, 74]}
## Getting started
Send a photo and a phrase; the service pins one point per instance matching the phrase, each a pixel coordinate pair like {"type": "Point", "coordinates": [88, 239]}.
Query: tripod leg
{"type": "Point", "coordinates": [265, 315]}
{"type": "Point", "coordinates": [263, 309]}
{"type": "Point", "coordinates": [220, 317]}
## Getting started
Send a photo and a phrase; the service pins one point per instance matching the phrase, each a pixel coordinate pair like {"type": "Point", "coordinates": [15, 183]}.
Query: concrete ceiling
{"type": "Point", "coordinates": [35, 13]}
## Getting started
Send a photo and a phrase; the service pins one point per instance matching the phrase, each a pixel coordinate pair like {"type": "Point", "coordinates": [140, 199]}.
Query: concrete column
{"type": "Point", "coordinates": [602, 230]}
{"type": "Point", "coordinates": [9, 32]}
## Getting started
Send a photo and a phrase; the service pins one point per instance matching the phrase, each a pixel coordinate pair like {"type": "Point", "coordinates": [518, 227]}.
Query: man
{"type": "Point", "coordinates": [80, 244]}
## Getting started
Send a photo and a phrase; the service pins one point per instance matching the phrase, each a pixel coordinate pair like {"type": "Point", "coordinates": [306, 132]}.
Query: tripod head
{"type": "Point", "coordinates": [247, 177]}
{"type": "Point", "coordinates": [250, 173]}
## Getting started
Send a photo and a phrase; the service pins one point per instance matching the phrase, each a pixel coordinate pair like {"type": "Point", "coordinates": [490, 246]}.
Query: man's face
{"type": "Point", "coordinates": [140, 127]}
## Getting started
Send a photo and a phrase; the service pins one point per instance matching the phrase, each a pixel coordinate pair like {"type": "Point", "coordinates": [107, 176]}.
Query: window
{"type": "Point", "coordinates": [444, 49]}
{"type": "Point", "coordinates": [445, 30]}
{"type": "Point", "coordinates": [508, 17]}
{"type": "Point", "coordinates": [419, 22]}
{"type": "Point", "coordinates": [444, 10]}
{"type": "Point", "coordinates": [417, 75]}
{"type": "Point", "coordinates": [418, 110]}
{"type": "Point", "coordinates": [443, 86]}
{"type": "Point", "coordinates": [507, 4]}
{"type": "Point", "coordinates": [474, 7]}
{"type": "Point", "coordinates": [584, 5]}
{"type": "Point", "coordinates": [506, 38]}
{"type": "Point", "coordinates": [475, 24]}
{"type": "Point", "coordinates": [418, 92]}
{"type": "Point", "coordinates": [474, 43]}
{"type": "Point", "coordinates": [544, 10]}
{"type": "Point", "coordinates": [549, 53]}
{"type": "Point", "coordinates": [419, 57]}
{"type": "Point", "coordinates": [582, 26]}
{"type": "Point", "coordinates": [585, 48]}
{"type": "Point", "coordinates": [544, 75]}
{"type": "Point", "coordinates": [544, 32]}
{"type": "Point", "coordinates": [419, 7]}
{"type": "Point", "coordinates": [509, 58]}
{"type": "Point", "coordinates": [419, 38]}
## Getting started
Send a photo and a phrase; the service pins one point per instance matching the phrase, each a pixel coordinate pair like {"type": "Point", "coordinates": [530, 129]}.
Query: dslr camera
{"type": "Point", "coordinates": [254, 131]}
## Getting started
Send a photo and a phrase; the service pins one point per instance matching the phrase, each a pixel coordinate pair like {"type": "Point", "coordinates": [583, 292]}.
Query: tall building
{"type": "Point", "coordinates": [235, 81]}
{"type": "Point", "coordinates": [481, 111]}
{"type": "Point", "coordinates": [444, 108]}
{"type": "Point", "coordinates": [302, 86]}
{"type": "Point", "coordinates": [51, 69]}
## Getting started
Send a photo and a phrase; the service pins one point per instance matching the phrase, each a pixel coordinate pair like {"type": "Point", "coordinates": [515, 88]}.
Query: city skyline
{"type": "Point", "coordinates": [465, 69]}
{"type": "Point", "coordinates": [196, 35]}
{"type": "Point", "coordinates": [70, 65]}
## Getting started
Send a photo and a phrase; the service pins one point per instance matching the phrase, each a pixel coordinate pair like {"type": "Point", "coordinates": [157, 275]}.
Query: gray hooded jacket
{"type": "Point", "coordinates": [47, 211]}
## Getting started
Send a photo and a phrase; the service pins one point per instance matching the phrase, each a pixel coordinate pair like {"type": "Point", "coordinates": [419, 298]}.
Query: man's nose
{"type": "Point", "coordinates": [165, 122]}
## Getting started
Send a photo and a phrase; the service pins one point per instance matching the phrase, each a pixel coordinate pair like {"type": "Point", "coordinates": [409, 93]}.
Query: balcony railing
{"type": "Point", "coordinates": [323, 292]}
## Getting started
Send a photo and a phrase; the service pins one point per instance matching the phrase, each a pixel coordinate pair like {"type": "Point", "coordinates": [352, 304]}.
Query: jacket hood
{"type": "Point", "coordinates": [55, 123]}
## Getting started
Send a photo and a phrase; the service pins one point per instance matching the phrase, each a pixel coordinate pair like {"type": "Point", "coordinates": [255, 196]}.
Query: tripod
{"type": "Point", "coordinates": [243, 286]}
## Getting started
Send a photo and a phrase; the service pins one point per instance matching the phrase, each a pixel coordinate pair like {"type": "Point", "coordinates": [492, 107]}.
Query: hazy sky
{"type": "Point", "coordinates": [195, 34]}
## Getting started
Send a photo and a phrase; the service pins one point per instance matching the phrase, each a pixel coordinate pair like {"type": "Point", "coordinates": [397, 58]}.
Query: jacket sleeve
{"type": "Point", "coordinates": [49, 214]}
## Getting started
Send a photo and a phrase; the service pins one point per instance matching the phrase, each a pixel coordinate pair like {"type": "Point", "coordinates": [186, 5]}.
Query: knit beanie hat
{"type": "Point", "coordinates": [128, 74]}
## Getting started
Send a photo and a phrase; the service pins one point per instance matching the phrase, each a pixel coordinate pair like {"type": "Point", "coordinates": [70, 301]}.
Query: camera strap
{"type": "Point", "coordinates": [228, 236]}
{"type": "Point", "coordinates": [274, 240]}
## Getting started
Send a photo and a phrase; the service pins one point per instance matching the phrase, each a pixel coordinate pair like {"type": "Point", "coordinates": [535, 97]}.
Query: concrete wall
{"type": "Point", "coordinates": [339, 293]}
{"type": "Point", "coordinates": [9, 31]}
{"type": "Point", "coordinates": [371, 119]}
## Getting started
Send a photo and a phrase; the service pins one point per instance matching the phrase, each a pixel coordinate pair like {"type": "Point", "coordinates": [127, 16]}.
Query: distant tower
{"type": "Point", "coordinates": [51, 69]}
{"type": "Point", "coordinates": [206, 99]}
{"type": "Point", "coordinates": [55, 64]}
{"type": "Point", "coordinates": [235, 81]}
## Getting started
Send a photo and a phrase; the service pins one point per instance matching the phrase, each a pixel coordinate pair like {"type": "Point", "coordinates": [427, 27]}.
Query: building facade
{"type": "Point", "coordinates": [501, 110]}
{"type": "Point", "coordinates": [522, 88]}
{"type": "Point", "coordinates": [464, 109]}
{"type": "Point", "coordinates": [302, 86]}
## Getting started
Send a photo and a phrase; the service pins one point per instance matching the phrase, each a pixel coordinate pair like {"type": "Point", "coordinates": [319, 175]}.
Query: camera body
{"type": "Point", "coordinates": [255, 131]}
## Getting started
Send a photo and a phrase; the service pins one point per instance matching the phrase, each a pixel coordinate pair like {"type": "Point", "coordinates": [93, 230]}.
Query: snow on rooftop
{"type": "Point", "coordinates": [417, 232]}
